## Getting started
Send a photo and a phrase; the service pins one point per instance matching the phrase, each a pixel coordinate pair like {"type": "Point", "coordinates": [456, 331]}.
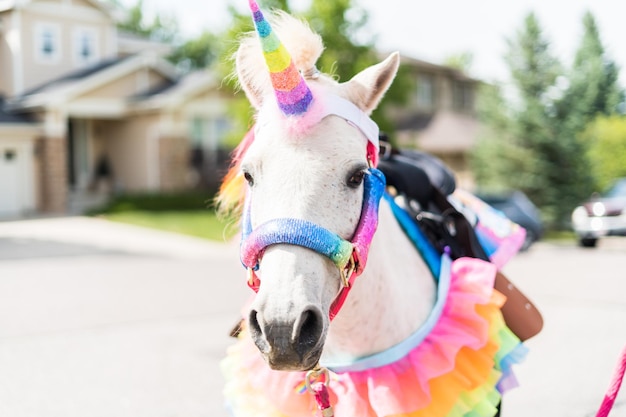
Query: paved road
{"type": "Point", "coordinates": [582, 295]}
{"type": "Point", "coordinates": [101, 319]}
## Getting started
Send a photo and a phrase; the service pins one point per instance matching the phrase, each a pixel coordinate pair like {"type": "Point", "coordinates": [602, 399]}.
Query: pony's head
{"type": "Point", "coordinates": [304, 172]}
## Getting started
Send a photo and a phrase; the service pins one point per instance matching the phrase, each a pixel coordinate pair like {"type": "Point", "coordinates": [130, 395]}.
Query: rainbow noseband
{"type": "Point", "coordinates": [350, 257]}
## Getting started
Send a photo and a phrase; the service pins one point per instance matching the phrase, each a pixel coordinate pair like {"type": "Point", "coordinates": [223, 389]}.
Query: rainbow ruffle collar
{"type": "Point", "coordinates": [460, 367]}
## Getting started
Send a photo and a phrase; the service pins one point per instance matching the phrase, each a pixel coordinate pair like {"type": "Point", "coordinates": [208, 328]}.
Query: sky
{"type": "Point", "coordinates": [436, 29]}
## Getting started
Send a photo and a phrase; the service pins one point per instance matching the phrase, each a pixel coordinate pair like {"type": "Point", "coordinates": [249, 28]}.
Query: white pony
{"type": "Point", "coordinates": [411, 339]}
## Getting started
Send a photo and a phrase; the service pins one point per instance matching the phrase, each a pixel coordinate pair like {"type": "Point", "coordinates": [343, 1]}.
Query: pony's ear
{"type": "Point", "coordinates": [367, 88]}
{"type": "Point", "coordinates": [251, 71]}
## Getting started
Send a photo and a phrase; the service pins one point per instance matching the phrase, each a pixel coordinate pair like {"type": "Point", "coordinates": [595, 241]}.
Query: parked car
{"type": "Point", "coordinates": [602, 215]}
{"type": "Point", "coordinates": [518, 208]}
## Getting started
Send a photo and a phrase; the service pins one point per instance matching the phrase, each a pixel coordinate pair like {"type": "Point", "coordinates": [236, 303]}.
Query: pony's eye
{"type": "Point", "coordinates": [356, 179]}
{"type": "Point", "coordinates": [248, 178]}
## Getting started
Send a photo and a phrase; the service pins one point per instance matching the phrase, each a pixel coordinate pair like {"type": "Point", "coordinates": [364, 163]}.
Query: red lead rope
{"type": "Point", "coordinates": [317, 381]}
{"type": "Point", "coordinates": [320, 392]}
{"type": "Point", "coordinates": [616, 382]}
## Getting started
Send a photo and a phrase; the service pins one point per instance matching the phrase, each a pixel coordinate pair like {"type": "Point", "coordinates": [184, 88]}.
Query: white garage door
{"type": "Point", "coordinates": [9, 181]}
{"type": "Point", "coordinates": [16, 179]}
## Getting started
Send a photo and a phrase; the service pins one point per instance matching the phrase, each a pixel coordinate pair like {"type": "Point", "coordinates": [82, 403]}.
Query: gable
{"type": "Point", "coordinates": [137, 83]}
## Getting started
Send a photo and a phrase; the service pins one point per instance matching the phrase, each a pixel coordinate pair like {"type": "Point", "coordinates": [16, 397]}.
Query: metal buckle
{"type": "Point", "coordinates": [314, 375]}
{"type": "Point", "coordinates": [250, 277]}
{"type": "Point", "coordinates": [347, 271]}
{"type": "Point", "coordinates": [385, 150]}
{"type": "Point", "coordinates": [253, 280]}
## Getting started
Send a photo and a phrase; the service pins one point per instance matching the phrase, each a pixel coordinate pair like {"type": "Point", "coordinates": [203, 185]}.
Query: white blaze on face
{"type": "Point", "coordinates": [305, 178]}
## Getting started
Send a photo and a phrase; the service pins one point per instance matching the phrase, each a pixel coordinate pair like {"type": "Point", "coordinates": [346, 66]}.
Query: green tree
{"type": "Point", "coordinates": [462, 61]}
{"type": "Point", "coordinates": [161, 29]}
{"type": "Point", "coordinates": [342, 25]}
{"type": "Point", "coordinates": [606, 138]}
{"type": "Point", "coordinates": [593, 81]}
{"type": "Point", "coordinates": [498, 153]}
{"type": "Point", "coordinates": [187, 55]}
{"type": "Point", "coordinates": [521, 148]}
{"type": "Point", "coordinates": [197, 53]}
{"type": "Point", "coordinates": [535, 142]}
{"type": "Point", "coordinates": [591, 90]}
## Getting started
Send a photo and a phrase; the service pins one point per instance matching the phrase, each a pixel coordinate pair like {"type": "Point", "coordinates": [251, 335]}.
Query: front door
{"type": "Point", "coordinates": [78, 154]}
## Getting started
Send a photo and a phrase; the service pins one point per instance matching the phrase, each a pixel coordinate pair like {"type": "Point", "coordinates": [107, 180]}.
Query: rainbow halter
{"type": "Point", "coordinates": [350, 257]}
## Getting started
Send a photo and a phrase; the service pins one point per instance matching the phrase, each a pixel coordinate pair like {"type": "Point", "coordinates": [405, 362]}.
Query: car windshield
{"type": "Point", "coordinates": [617, 190]}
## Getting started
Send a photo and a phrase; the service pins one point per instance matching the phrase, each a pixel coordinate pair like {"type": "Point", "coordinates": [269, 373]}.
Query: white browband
{"type": "Point", "coordinates": [339, 106]}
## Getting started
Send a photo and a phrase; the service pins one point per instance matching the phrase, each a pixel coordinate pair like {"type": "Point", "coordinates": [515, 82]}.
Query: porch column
{"type": "Point", "coordinates": [173, 163]}
{"type": "Point", "coordinates": [53, 174]}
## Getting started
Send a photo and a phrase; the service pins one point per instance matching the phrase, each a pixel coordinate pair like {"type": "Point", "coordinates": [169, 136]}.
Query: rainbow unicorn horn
{"type": "Point", "coordinates": [293, 95]}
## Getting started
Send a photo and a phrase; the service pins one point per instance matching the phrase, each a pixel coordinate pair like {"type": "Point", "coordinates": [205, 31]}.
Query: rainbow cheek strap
{"type": "Point", "coordinates": [309, 235]}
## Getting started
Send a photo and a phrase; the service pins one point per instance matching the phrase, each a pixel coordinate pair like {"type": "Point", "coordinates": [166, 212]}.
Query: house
{"type": "Point", "coordinates": [85, 110]}
{"type": "Point", "coordinates": [440, 117]}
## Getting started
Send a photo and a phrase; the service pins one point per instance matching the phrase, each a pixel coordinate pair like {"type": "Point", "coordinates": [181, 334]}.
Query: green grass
{"type": "Point", "coordinates": [560, 236]}
{"type": "Point", "coordinates": [157, 202]}
{"type": "Point", "coordinates": [185, 213]}
{"type": "Point", "coordinates": [198, 223]}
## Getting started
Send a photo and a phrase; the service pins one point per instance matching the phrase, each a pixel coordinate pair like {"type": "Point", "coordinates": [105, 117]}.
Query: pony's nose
{"type": "Point", "coordinates": [289, 344]}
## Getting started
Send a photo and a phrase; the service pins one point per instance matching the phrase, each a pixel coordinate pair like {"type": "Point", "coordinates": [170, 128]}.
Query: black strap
{"type": "Point", "coordinates": [463, 237]}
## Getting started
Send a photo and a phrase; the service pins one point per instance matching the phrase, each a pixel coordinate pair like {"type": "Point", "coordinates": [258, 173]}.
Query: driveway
{"type": "Point", "coordinates": [103, 319]}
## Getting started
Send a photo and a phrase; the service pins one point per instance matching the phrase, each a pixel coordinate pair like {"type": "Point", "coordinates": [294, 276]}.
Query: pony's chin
{"type": "Point", "coordinates": [291, 363]}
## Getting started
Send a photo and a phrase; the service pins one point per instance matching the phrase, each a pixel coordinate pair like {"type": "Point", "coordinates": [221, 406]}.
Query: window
{"type": "Point", "coordinates": [463, 96]}
{"type": "Point", "coordinates": [426, 91]}
{"type": "Point", "coordinates": [85, 46]}
{"type": "Point", "coordinates": [48, 43]}
{"type": "Point", "coordinates": [206, 156]}
{"type": "Point", "coordinates": [209, 134]}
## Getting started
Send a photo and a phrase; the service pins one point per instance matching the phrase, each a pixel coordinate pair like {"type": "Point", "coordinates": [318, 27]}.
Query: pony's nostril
{"type": "Point", "coordinates": [255, 328]}
{"type": "Point", "coordinates": [308, 331]}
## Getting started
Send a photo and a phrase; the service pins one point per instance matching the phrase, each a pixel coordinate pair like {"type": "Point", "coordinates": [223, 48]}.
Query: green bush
{"type": "Point", "coordinates": [157, 202]}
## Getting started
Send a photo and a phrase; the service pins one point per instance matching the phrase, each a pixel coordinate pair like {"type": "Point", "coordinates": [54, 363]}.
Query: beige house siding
{"type": "Point", "coordinates": [9, 47]}
{"type": "Point", "coordinates": [134, 83]}
{"type": "Point", "coordinates": [132, 152]}
{"type": "Point", "coordinates": [66, 22]}
{"type": "Point", "coordinates": [82, 3]}
{"type": "Point", "coordinates": [145, 154]}
{"type": "Point", "coordinates": [173, 163]}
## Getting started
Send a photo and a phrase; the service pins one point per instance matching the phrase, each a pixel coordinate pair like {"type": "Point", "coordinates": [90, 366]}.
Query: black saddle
{"type": "Point", "coordinates": [425, 182]}
{"type": "Point", "coordinates": [416, 174]}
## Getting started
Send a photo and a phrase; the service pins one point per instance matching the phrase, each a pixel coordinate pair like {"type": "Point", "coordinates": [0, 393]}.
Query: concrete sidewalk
{"type": "Point", "coordinates": [105, 319]}
{"type": "Point", "coordinates": [104, 235]}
